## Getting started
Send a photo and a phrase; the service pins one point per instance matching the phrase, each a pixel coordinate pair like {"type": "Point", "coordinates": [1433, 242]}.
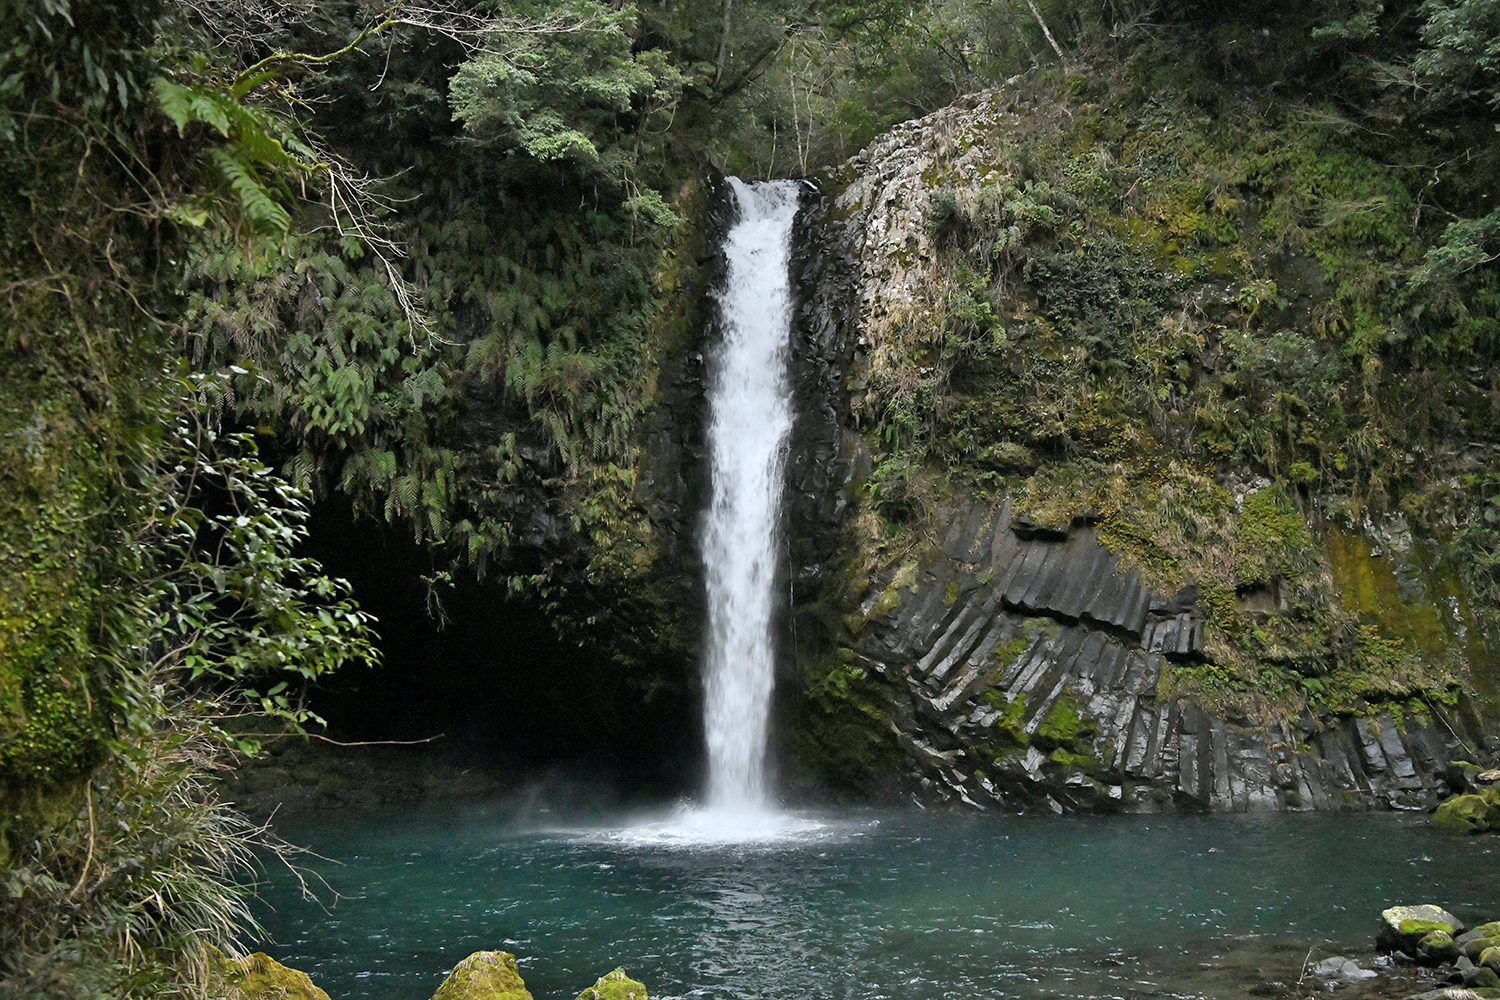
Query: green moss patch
{"type": "Point", "coordinates": [260, 977]}
{"type": "Point", "coordinates": [615, 986]}
{"type": "Point", "coordinates": [484, 975]}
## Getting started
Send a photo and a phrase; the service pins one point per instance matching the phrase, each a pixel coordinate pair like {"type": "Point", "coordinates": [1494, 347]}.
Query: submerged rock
{"type": "Point", "coordinates": [1339, 967]}
{"type": "Point", "coordinates": [615, 986]}
{"type": "Point", "coordinates": [1405, 928]}
{"type": "Point", "coordinates": [484, 975]}
{"type": "Point", "coordinates": [259, 977]}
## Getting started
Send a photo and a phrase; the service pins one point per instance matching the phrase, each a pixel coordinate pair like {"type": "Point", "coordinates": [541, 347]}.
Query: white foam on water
{"type": "Point", "coordinates": [694, 827]}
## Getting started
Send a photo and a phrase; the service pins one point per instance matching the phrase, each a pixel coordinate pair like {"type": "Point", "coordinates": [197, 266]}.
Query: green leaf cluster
{"type": "Point", "coordinates": [151, 601]}
{"type": "Point", "coordinates": [568, 95]}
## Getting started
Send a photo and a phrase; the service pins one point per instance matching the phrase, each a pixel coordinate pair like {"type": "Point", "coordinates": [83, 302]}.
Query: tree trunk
{"type": "Point", "coordinates": [723, 59]}
{"type": "Point", "coordinates": [1034, 13]}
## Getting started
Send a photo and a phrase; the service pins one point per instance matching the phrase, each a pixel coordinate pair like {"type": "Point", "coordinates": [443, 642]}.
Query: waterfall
{"type": "Point", "coordinates": [750, 416]}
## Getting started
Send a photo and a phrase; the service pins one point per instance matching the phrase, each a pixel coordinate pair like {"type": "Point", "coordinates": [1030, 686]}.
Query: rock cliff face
{"type": "Point", "coordinates": [1026, 571]}
{"type": "Point", "coordinates": [1025, 668]}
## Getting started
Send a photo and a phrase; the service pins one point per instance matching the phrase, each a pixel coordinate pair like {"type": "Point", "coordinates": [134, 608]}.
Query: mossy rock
{"type": "Point", "coordinates": [1473, 943]}
{"type": "Point", "coordinates": [484, 975]}
{"type": "Point", "coordinates": [1404, 927]}
{"type": "Point", "coordinates": [1490, 959]}
{"type": "Point", "coordinates": [1424, 927]}
{"type": "Point", "coordinates": [1463, 814]}
{"type": "Point", "coordinates": [615, 986]}
{"type": "Point", "coordinates": [259, 977]}
{"type": "Point", "coordinates": [1437, 948]}
{"type": "Point", "coordinates": [1482, 978]}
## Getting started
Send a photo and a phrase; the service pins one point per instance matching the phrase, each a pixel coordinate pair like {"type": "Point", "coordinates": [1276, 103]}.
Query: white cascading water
{"type": "Point", "coordinates": [750, 415]}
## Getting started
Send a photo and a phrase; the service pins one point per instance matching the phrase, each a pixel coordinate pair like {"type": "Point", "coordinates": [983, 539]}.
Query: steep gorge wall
{"type": "Point", "coordinates": [1076, 548]}
{"type": "Point", "coordinates": [1027, 669]}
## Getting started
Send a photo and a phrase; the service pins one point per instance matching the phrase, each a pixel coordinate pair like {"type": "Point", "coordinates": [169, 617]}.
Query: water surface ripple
{"type": "Point", "coordinates": [865, 906]}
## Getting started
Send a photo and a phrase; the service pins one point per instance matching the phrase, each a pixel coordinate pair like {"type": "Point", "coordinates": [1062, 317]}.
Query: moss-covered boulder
{"type": "Point", "coordinates": [615, 986]}
{"type": "Point", "coordinates": [1483, 978]}
{"type": "Point", "coordinates": [484, 975]}
{"type": "Point", "coordinates": [1404, 927]}
{"type": "Point", "coordinates": [1437, 948]}
{"type": "Point", "coordinates": [1474, 942]}
{"type": "Point", "coordinates": [259, 977]}
{"type": "Point", "coordinates": [1490, 959]}
{"type": "Point", "coordinates": [1472, 813]}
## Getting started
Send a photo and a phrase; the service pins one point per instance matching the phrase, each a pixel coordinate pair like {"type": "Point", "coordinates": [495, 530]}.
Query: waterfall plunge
{"type": "Point", "coordinates": [750, 416]}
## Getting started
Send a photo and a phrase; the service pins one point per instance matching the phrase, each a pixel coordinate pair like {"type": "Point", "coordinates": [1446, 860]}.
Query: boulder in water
{"type": "Point", "coordinates": [1481, 978]}
{"type": "Point", "coordinates": [1491, 929]}
{"type": "Point", "coordinates": [615, 986]}
{"type": "Point", "coordinates": [1469, 813]}
{"type": "Point", "coordinates": [1404, 927]}
{"type": "Point", "coordinates": [484, 975]}
{"type": "Point", "coordinates": [259, 977]}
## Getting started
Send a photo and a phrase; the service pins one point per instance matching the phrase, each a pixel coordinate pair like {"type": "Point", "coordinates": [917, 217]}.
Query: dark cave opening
{"type": "Point", "coordinates": [488, 681]}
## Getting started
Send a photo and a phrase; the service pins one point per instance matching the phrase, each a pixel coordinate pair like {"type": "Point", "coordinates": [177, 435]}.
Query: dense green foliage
{"type": "Point", "coordinates": [150, 597]}
{"type": "Point", "coordinates": [1213, 320]}
{"type": "Point", "coordinates": [425, 255]}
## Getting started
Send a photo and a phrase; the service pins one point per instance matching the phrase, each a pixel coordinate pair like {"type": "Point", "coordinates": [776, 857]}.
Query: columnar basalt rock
{"type": "Point", "coordinates": [1204, 625]}
{"type": "Point", "coordinates": [1023, 666]}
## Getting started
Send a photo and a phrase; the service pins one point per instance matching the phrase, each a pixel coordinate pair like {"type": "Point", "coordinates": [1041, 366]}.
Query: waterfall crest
{"type": "Point", "coordinates": [750, 417]}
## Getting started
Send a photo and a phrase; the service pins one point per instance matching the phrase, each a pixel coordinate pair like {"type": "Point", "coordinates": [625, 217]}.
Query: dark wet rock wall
{"type": "Point", "coordinates": [1024, 669]}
